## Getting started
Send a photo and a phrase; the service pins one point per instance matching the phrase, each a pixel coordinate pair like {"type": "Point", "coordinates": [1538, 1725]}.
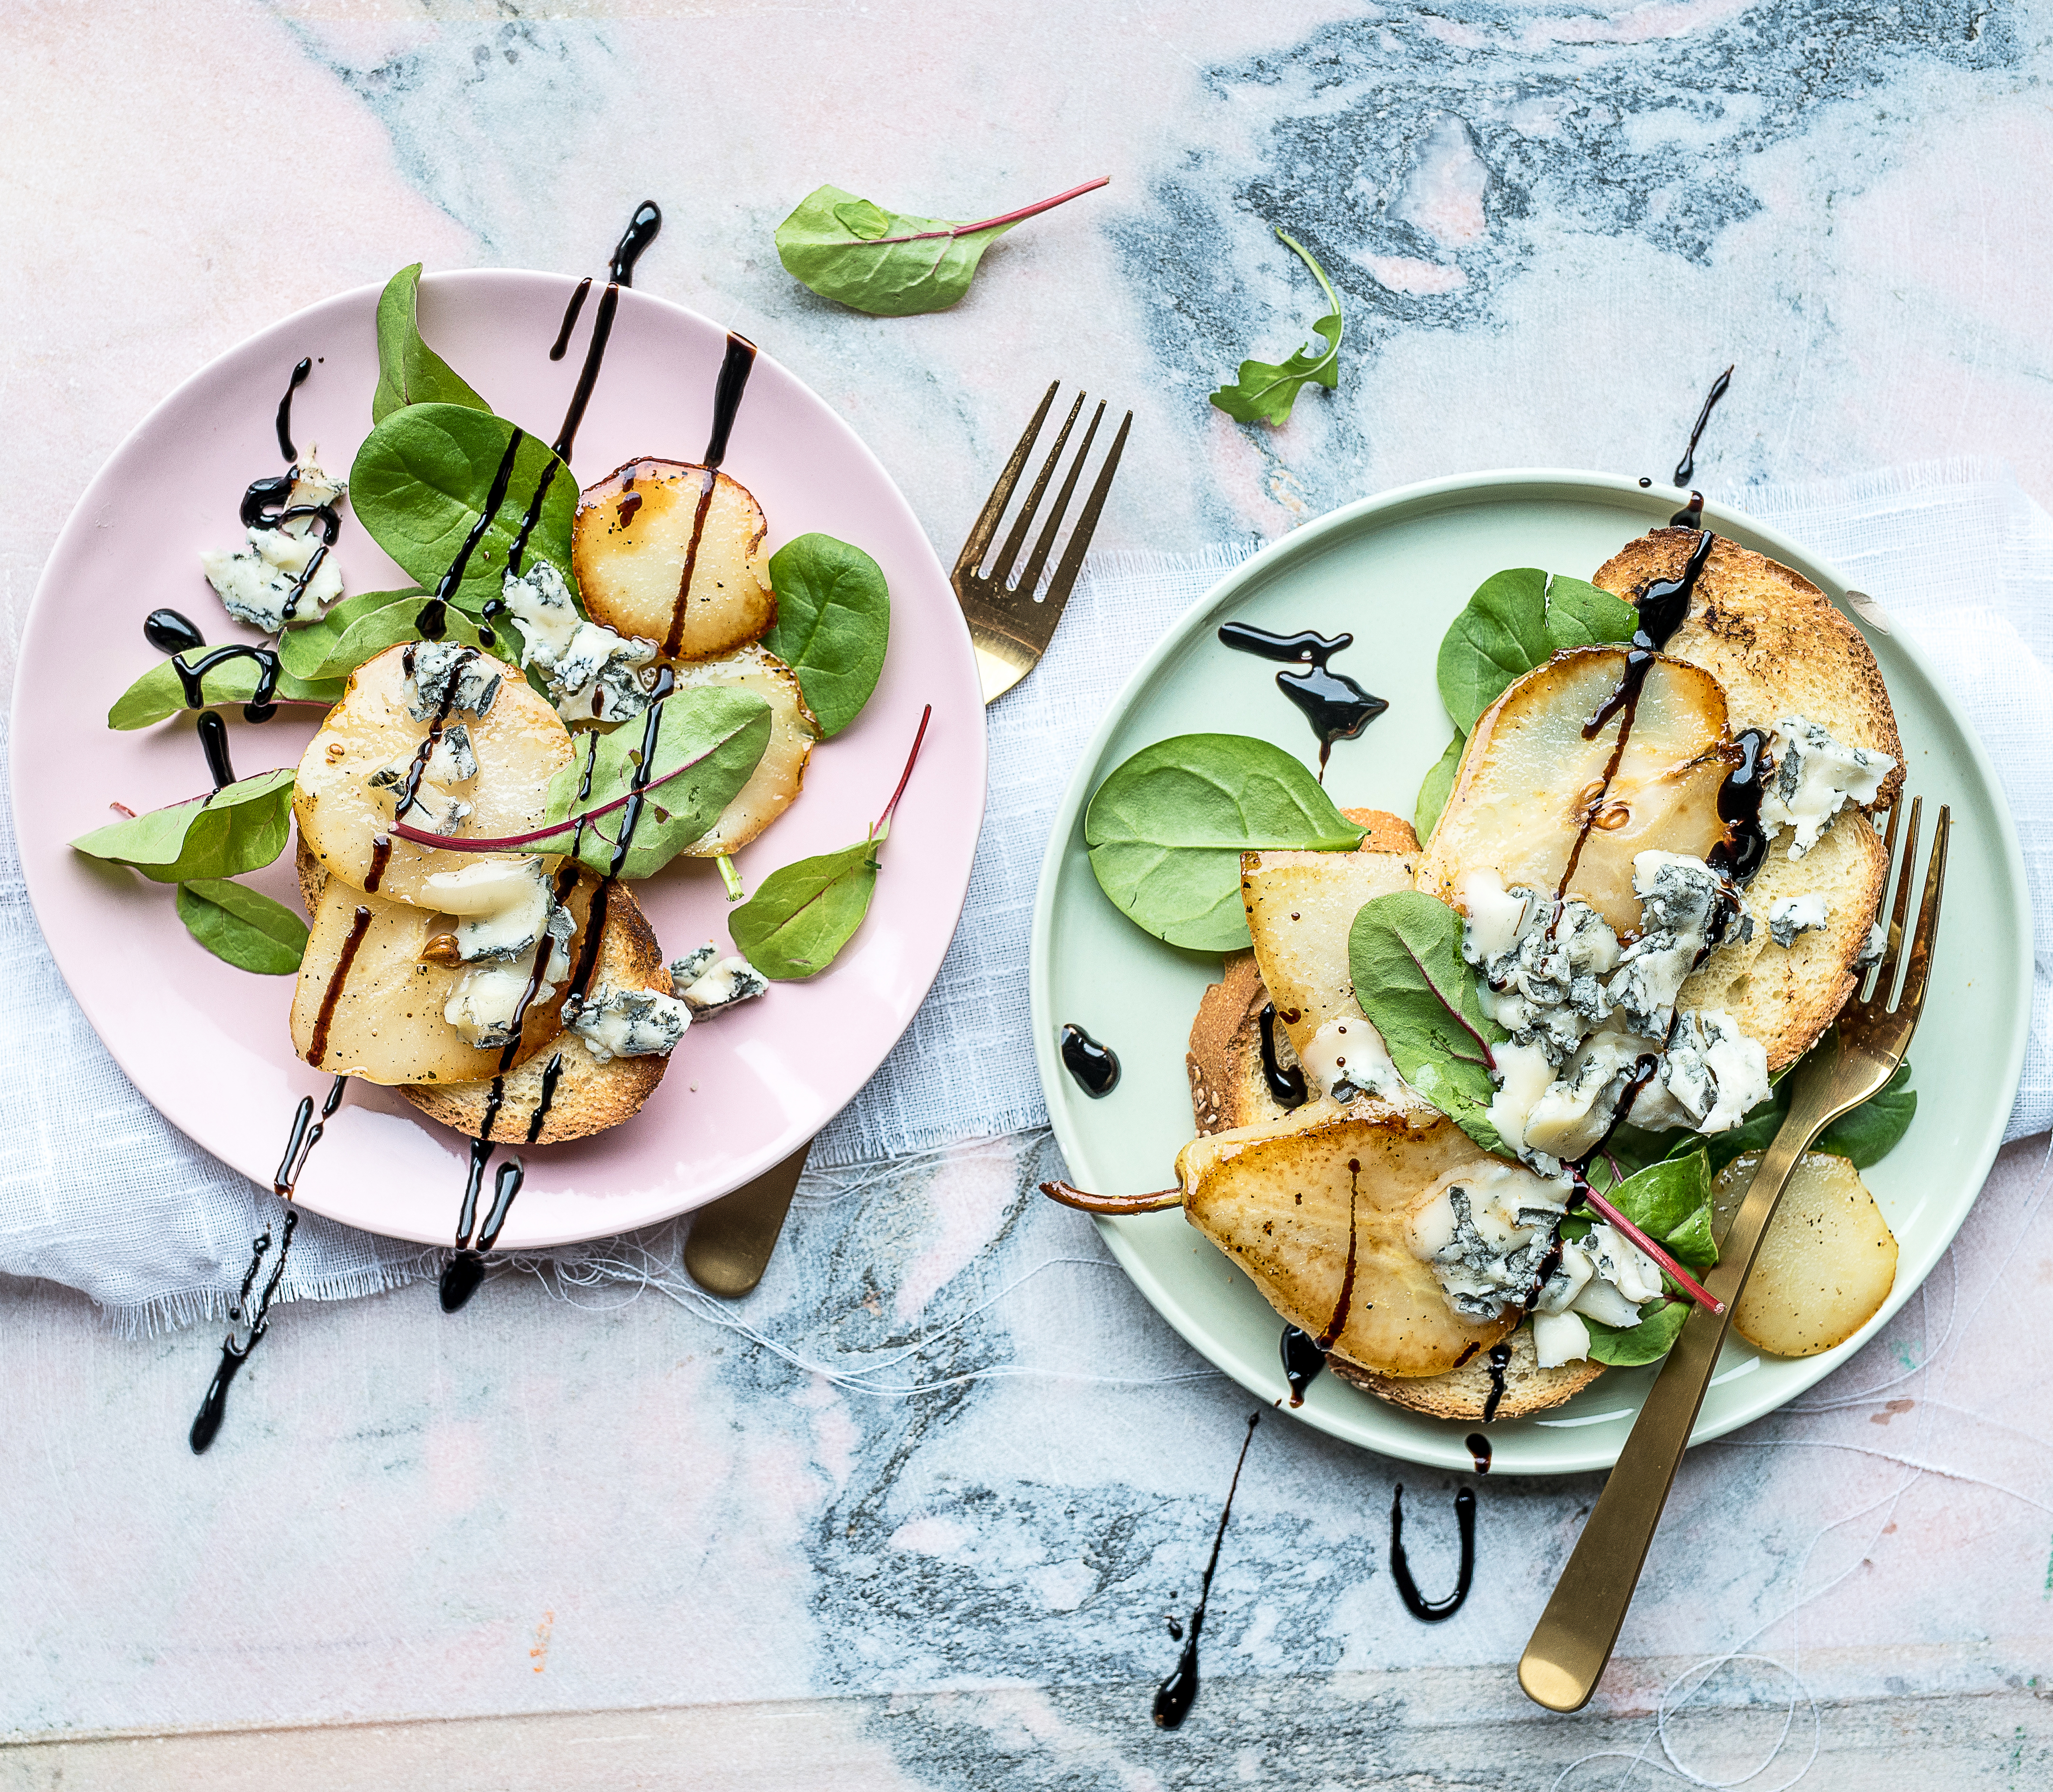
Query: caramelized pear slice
{"type": "Point", "coordinates": [674, 553]}
{"type": "Point", "coordinates": [775, 784]}
{"type": "Point", "coordinates": [389, 981]}
{"type": "Point", "coordinates": [1300, 907]}
{"type": "Point", "coordinates": [1293, 1200]}
{"type": "Point", "coordinates": [519, 743]}
{"type": "Point", "coordinates": [1528, 779]}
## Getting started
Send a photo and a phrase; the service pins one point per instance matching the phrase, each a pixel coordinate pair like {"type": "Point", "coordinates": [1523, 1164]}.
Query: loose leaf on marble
{"type": "Point", "coordinates": [834, 623]}
{"type": "Point", "coordinates": [1404, 955]}
{"type": "Point", "coordinates": [237, 923]}
{"type": "Point", "coordinates": [1516, 621]}
{"type": "Point", "coordinates": [423, 478]}
{"type": "Point", "coordinates": [890, 264]}
{"type": "Point", "coordinates": [238, 828]}
{"type": "Point", "coordinates": [158, 695]}
{"type": "Point", "coordinates": [305, 650]}
{"type": "Point", "coordinates": [1167, 829]}
{"type": "Point", "coordinates": [1436, 787]}
{"type": "Point", "coordinates": [409, 371]}
{"type": "Point", "coordinates": [1266, 392]}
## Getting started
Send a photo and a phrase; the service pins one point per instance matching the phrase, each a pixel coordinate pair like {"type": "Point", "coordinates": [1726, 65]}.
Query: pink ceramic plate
{"type": "Point", "coordinates": [206, 1043]}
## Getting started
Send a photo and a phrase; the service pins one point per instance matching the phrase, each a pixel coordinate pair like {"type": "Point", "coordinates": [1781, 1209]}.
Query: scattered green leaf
{"type": "Point", "coordinates": [372, 633]}
{"type": "Point", "coordinates": [423, 478]}
{"type": "Point", "coordinates": [304, 651]}
{"type": "Point", "coordinates": [1671, 1202]}
{"type": "Point", "coordinates": [1516, 621]}
{"type": "Point", "coordinates": [1437, 786]}
{"type": "Point", "coordinates": [1661, 1324]}
{"type": "Point", "coordinates": [834, 622]}
{"type": "Point", "coordinates": [805, 913]}
{"type": "Point", "coordinates": [890, 264]}
{"type": "Point", "coordinates": [1869, 1133]}
{"type": "Point", "coordinates": [237, 923]}
{"type": "Point", "coordinates": [1265, 392]}
{"type": "Point", "coordinates": [238, 827]}
{"type": "Point", "coordinates": [409, 371]}
{"type": "Point", "coordinates": [1167, 829]}
{"type": "Point", "coordinates": [158, 695]}
{"type": "Point", "coordinates": [1404, 955]}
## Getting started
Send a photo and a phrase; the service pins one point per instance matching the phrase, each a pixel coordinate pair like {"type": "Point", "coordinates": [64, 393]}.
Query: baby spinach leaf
{"type": "Point", "coordinates": [1436, 787]}
{"type": "Point", "coordinates": [158, 695]}
{"type": "Point", "coordinates": [1869, 1133]}
{"type": "Point", "coordinates": [424, 477]}
{"type": "Point", "coordinates": [409, 371]}
{"type": "Point", "coordinates": [370, 634]}
{"type": "Point", "coordinates": [890, 264]}
{"type": "Point", "coordinates": [1671, 1202]}
{"type": "Point", "coordinates": [834, 622]}
{"type": "Point", "coordinates": [1660, 1324]}
{"type": "Point", "coordinates": [1167, 829]}
{"type": "Point", "coordinates": [1265, 392]}
{"type": "Point", "coordinates": [804, 914]}
{"type": "Point", "coordinates": [1404, 955]}
{"type": "Point", "coordinates": [1516, 621]}
{"type": "Point", "coordinates": [237, 923]}
{"type": "Point", "coordinates": [715, 733]}
{"type": "Point", "coordinates": [236, 829]}
{"type": "Point", "coordinates": [305, 650]}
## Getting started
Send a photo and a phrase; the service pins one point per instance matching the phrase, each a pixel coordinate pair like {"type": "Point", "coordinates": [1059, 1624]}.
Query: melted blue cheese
{"type": "Point", "coordinates": [616, 1023]}
{"type": "Point", "coordinates": [1485, 1229]}
{"type": "Point", "coordinates": [1348, 1056]}
{"type": "Point", "coordinates": [259, 583]}
{"type": "Point", "coordinates": [447, 678]}
{"type": "Point", "coordinates": [503, 906]}
{"type": "Point", "coordinates": [1710, 1077]}
{"type": "Point", "coordinates": [1788, 917]}
{"type": "Point", "coordinates": [1814, 777]}
{"type": "Point", "coordinates": [592, 673]}
{"type": "Point", "coordinates": [1680, 898]}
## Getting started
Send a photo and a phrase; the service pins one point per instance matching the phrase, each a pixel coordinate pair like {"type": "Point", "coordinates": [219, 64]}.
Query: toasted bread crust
{"type": "Point", "coordinates": [589, 1096]}
{"type": "Point", "coordinates": [1772, 638]}
{"type": "Point", "coordinates": [313, 874]}
{"type": "Point", "coordinates": [1463, 1393]}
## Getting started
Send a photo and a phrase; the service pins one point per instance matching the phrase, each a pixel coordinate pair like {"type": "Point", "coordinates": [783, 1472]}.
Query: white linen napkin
{"type": "Point", "coordinates": [158, 1233]}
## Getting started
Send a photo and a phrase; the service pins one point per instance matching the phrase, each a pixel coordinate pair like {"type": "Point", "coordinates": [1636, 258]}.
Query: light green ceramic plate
{"type": "Point", "coordinates": [1393, 571]}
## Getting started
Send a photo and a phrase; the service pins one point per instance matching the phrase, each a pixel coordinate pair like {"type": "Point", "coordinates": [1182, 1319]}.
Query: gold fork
{"type": "Point", "coordinates": [1577, 1631]}
{"type": "Point", "coordinates": [732, 1239]}
{"type": "Point", "coordinates": [1010, 625]}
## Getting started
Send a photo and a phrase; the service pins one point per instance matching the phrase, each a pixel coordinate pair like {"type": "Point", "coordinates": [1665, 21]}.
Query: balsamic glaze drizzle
{"type": "Point", "coordinates": [214, 743]}
{"type": "Point", "coordinates": [1336, 707]}
{"type": "Point", "coordinates": [1500, 1360]}
{"type": "Point", "coordinates": [260, 707]}
{"type": "Point", "coordinates": [1286, 1088]}
{"type": "Point", "coordinates": [642, 230]}
{"type": "Point", "coordinates": [735, 367]}
{"type": "Point", "coordinates": [1686, 467]}
{"type": "Point", "coordinates": [502, 477]}
{"type": "Point", "coordinates": [1738, 857]}
{"type": "Point", "coordinates": [1433, 1611]}
{"type": "Point", "coordinates": [1175, 1696]}
{"type": "Point", "coordinates": [570, 320]}
{"type": "Point", "coordinates": [1691, 514]}
{"type": "Point", "coordinates": [1093, 1065]}
{"type": "Point", "coordinates": [285, 407]}
{"type": "Point", "coordinates": [1303, 1358]}
{"type": "Point", "coordinates": [1337, 1323]}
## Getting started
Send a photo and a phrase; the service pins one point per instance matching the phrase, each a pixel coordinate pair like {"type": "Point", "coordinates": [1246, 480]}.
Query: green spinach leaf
{"type": "Point", "coordinates": [1869, 1133]}
{"type": "Point", "coordinates": [238, 827]}
{"type": "Point", "coordinates": [1516, 621]}
{"type": "Point", "coordinates": [1437, 786]}
{"type": "Point", "coordinates": [409, 371]}
{"type": "Point", "coordinates": [890, 264]}
{"type": "Point", "coordinates": [805, 913]}
{"type": "Point", "coordinates": [1266, 391]}
{"type": "Point", "coordinates": [1671, 1202]}
{"type": "Point", "coordinates": [370, 634]}
{"type": "Point", "coordinates": [158, 695]}
{"type": "Point", "coordinates": [1167, 829]}
{"type": "Point", "coordinates": [423, 478]}
{"type": "Point", "coordinates": [303, 651]}
{"type": "Point", "coordinates": [1660, 1324]}
{"type": "Point", "coordinates": [834, 622]}
{"type": "Point", "coordinates": [1404, 954]}
{"type": "Point", "coordinates": [249, 930]}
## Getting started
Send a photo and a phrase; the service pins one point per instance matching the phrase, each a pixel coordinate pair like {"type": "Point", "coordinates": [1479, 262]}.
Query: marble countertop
{"type": "Point", "coordinates": [916, 1514]}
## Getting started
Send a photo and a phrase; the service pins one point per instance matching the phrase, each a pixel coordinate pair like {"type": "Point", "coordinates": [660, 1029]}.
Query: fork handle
{"type": "Point", "coordinates": [1573, 1639]}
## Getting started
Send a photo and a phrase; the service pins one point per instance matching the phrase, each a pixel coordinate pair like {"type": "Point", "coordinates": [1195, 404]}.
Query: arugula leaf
{"type": "Point", "coordinates": [890, 264]}
{"type": "Point", "coordinates": [424, 477]}
{"type": "Point", "coordinates": [1436, 787]}
{"type": "Point", "coordinates": [1264, 393]}
{"type": "Point", "coordinates": [1166, 830]}
{"type": "Point", "coordinates": [158, 695]}
{"type": "Point", "coordinates": [804, 914]}
{"type": "Point", "coordinates": [1516, 621]}
{"type": "Point", "coordinates": [1661, 1324]}
{"type": "Point", "coordinates": [409, 371]}
{"type": "Point", "coordinates": [834, 622]}
{"type": "Point", "coordinates": [243, 926]}
{"type": "Point", "coordinates": [1404, 955]}
{"type": "Point", "coordinates": [305, 650]}
{"type": "Point", "coordinates": [236, 829]}
{"type": "Point", "coordinates": [716, 731]}
{"type": "Point", "coordinates": [1869, 1133]}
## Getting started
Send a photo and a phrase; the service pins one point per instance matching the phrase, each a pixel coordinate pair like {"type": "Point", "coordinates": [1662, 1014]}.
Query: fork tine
{"type": "Point", "coordinates": [1002, 569]}
{"type": "Point", "coordinates": [1918, 972]}
{"type": "Point", "coordinates": [1885, 976]}
{"type": "Point", "coordinates": [1080, 538]}
{"type": "Point", "coordinates": [986, 525]}
{"type": "Point", "coordinates": [1031, 575]}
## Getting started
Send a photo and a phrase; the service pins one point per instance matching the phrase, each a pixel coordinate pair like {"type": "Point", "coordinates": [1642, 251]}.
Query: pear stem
{"type": "Point", "coordinates": [730, 877]}
{"type": "Point", "coordinates": [1112, 1204]}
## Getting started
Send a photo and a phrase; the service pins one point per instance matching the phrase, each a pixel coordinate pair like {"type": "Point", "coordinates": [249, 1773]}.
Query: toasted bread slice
{"type": "Point", "coordinates": [588, 1096]}
{"type": "Point", "coordinates": [1463, 1393]}
{"type": "Point", "coordinates": [1772, 638]}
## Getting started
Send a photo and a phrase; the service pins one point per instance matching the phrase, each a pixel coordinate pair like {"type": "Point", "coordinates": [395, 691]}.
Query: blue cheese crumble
{"type": "Point", "coordinates": [448, 678]}
{"type": "Point", "coordinates": [709, 984]}
{"type": "Point", "coordinates": [1788, 917]}
{"type": "Point", "coordinates": [592, 673]}
{"type": "Point", "coordinates": [1485, 1229]}
{"type": "Point", "coordinates": [617, 1023]}
{"type": "Point", "coordinates": [1814, 777]}
{"type": "Point", "coordinates": [265, 582]}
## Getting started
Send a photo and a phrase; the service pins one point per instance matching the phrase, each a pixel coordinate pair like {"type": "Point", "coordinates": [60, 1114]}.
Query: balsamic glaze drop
{"type": "Point", "coordinates": [1303, 1358]}
{"type": "Point", "coordinates": [1691, 514]}
{"type": "Point", "coordinates": [465, 1269]}
{"type": "Point", "coordinates": [1500, 1360]}
{"type": "Point", "coordinates": [1175, 1696]}
{"type": "Point", "coordinates": [1478, 1446]}
{"type": "Point", "coordinates": [1286, 1088]}
{"type": "Point", "coordinates": [170, 631]}
{"type": "Point", "coordinates": [1433, 1611]}
{"type": "Point", "coordinates": [1739, 856]}
{"type": "Point", "coordinates": [641, 231]}
{"type": "Point", "coordinates": [1686, 467]}
{"type": "Point", "coordinates": [1644, 483]}
{"type": "Point", "coordinates": [285, 407]}
{"type": "Point", "coordinates": [213, 744]}
{"type": "Point", "coordinates": [1336, 707]}
{"type": "Point", "coordinates": [1094, 1065]}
